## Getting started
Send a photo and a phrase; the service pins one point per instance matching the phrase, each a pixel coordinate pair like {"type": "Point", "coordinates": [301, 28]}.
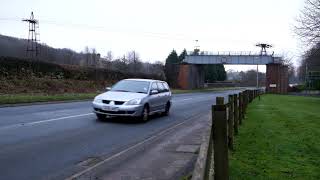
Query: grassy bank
{"type": "Point", "coordinates": [29, 98]}
{"type": "Point", "coordinates": [278, 140]}
{"type": "Point", "coordinates": [181, 91]}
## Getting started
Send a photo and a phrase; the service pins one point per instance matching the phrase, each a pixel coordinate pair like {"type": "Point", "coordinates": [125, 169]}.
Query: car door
{"type": "Point", "coordinates": [167, 94]}
{"type": "Point", "coordinates": [162, 95]}
{"type": "Point", "coordinates": [154, 101]}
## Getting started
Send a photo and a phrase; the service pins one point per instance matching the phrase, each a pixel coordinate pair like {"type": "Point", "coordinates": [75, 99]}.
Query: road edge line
{"type": "Point", "coordinates": [159, 134]}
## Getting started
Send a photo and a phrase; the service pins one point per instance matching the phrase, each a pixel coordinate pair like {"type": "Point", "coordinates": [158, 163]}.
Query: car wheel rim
{"type": "Point", "coordinates": [145, 114]}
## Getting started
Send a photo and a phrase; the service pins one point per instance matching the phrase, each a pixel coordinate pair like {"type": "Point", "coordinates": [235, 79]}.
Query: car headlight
{"type": "Point", "coordinates": [133, 102]}
{"type": "Point", "coordinates": [97, 100]}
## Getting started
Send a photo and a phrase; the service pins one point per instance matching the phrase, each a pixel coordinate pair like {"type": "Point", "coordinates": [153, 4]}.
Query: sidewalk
{"type": "Point", "coordinates": [170, 156]}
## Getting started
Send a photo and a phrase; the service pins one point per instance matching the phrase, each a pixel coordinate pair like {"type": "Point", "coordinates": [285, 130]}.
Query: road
{"type": "Point", "coordinates": [52, 141]}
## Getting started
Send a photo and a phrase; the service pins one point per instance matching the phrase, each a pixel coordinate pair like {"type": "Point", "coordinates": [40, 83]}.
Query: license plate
{"type": "Point", "coordinates": [109, 108]}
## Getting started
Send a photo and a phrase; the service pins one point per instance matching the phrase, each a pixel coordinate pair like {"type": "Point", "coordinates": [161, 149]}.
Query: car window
{"type": "Point", "coordinates": [131, 86]}
{"type": "Point", "coordinates": [166, 87]}
{"type": "Point", "coordinates": [161, 87]}
{"type": "Point", "coordinates": [154, 86]}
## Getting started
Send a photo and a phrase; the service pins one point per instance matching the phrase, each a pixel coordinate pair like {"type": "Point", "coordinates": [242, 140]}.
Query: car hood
{"type": "Point", "coordinates": [121, 96]}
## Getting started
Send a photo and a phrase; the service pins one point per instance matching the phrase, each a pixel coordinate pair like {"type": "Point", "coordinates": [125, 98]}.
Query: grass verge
{"type": "Point", "coordinates": [181, 91]}
{"type": "Point", "coordinates": [30, 98]}
{"type": "Point", "coordinates": [278, 140]}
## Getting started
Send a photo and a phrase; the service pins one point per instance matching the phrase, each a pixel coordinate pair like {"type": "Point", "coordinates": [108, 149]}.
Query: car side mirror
{"type": "Point", "coordinates": [154, 91]}
{"type": "Point", "coordinates": [108, 88]}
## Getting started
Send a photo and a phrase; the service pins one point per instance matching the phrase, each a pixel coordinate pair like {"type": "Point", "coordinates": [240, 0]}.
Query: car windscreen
{"type": "Point", "coordinates": [131, 86]}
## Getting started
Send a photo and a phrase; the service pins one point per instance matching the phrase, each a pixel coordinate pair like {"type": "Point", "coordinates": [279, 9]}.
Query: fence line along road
{"type": "Point", "coordinates": [213, 160]}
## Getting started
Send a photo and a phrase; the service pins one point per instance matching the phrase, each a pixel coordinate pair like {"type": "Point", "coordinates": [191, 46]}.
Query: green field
{"type": "Point", "coordinates": [279, 139]}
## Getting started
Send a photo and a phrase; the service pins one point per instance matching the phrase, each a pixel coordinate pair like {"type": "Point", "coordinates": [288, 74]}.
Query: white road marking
{"type": "Point", "coordinates": [197, 99]}
{"type": "Point", "coordinates": [57, 119]}
{"type": "Point", "coordinates": [60, 118]}
{"type": "Point", "coordinates": [79, 115]}
{"type": "Point", "coordinates": [43, 121]}
{"type": "Point", "coordinates": [79, 174]}
{"type": "Point", "coordinates": [182, 100]}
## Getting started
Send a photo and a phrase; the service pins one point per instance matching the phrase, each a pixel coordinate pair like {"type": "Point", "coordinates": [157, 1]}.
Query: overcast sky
{"type": "Point", "coordinates": [154, 27]}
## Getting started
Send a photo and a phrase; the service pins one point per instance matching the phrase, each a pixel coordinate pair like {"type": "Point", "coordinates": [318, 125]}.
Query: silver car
{"type": "Point", "coordinates": [134, 98]}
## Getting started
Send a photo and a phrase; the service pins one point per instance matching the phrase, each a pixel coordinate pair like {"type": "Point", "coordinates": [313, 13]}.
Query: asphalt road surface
{"type": "Point", "coordinates": [52, 141]}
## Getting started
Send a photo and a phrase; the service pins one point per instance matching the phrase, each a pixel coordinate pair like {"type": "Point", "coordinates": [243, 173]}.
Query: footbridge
{"type": "Point", "coordinates": [191, 74]}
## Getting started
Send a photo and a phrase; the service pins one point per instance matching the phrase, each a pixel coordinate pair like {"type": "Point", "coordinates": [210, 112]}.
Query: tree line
{"type": "Point", "coordinates": [129, 62]}
{"type": "Point", "coordinates": [247, 78]}
{"type": "Point", "coordinates": [308, 30]}
{"type": "Point", "coordinates": [89, 57]}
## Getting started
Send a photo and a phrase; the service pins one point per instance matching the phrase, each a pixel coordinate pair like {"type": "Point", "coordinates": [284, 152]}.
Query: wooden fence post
{"type": "Point", "coordinates": [248, 98]}
{"type": "Point", "coordinates": [236, 114]}
{"type": "Point", "coordinates": [251, 99]}
{"type": "Point", "coordinates": [220, 140]}
{"type": "Point", "coordinates": [243, 107]}
{"type": "Point", "coordinates": [219, 100]}
{"type": "Point", "coordinates": [230, 122]}
{"type": "Point", "coordinates": [245, 101]}
{"type": "Point", "coordinates": [240, 109]}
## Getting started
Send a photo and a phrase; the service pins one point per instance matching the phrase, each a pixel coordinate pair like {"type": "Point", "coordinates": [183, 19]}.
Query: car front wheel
{"type": "Point", "coordinates": [167, 109]}
{"type": "Point", "coordinates": [145, 114]}
{"type": "Point", "coordinates": [101, 117]}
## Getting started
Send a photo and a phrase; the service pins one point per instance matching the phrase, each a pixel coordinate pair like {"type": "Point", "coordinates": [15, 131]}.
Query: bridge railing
{"type": "Point", "coordinates": [228, 53]}
{"type": "Point", "coordinates": [213, 160]}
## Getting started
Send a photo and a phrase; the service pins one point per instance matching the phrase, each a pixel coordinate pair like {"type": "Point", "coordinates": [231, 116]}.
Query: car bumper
{"type": "Point", "coordinates": [118, 110]}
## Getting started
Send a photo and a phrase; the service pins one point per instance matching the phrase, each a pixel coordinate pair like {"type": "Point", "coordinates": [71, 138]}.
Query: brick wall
{"type": "Point", "coordinates": [183, 76]}
{"type": "Point", "coordinates": [190, 76]}
{"type": "Point", "coordinates": [277, 79]}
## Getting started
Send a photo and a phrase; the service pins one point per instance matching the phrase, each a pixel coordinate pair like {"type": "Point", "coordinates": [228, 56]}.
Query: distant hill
{"type": "Point", "coordinates": [15, 47]}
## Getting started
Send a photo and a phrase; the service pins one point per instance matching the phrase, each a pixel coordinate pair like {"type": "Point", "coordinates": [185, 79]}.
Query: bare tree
{"type": "Point", "coordinates": [93, 57]}
{"type": "Point", "coordinates": [308, 27]}
{"type": "Point", "coordinates": [87, 54]}
{"type": "Point", "coordinates": [291, 69]}
{"type": "Point", "coordinates": [248, 78]}
{"type": "Point", "coordinates": [135, 64]}
{"type": "Point", "coordinates": [310, 61]}
{"type": "Point", "coordinates": [109, 56]}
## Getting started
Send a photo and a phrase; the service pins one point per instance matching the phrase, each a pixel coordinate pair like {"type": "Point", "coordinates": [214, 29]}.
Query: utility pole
{"type": "Point", "coordinates": [196, 48]}
{"type": "Point", "coordinates": [306, 76]}
{"type": "Point", "coordinates": [263, 52]}
{"type": "Point", "coordinates": [257, 76]}
{"type": "Point", "coordinates": [134, 62]}
{"type": "Point", "coordinates": [33, 49]}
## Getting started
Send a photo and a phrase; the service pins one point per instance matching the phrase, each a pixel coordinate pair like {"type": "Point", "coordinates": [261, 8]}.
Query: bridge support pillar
{"type": "Point", "coordinates": [190, 76]}
{"type": "Point", "coordinates": [277, 80]}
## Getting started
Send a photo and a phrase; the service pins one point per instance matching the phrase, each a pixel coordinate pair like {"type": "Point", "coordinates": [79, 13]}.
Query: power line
{"type": "Point", "coordinates": [158, 35]}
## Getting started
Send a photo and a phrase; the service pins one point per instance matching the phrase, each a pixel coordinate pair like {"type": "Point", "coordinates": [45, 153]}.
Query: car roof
{"type": "Point", "coordinates": [147, 80]}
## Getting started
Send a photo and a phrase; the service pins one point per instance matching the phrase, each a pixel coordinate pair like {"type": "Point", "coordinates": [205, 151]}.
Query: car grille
{"type": "Point", "coordinates": [105, 101]}
{"type": "Point", "coordinates": [115, 102]}
{"type": "Point", "coordinates": [114, 112]}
